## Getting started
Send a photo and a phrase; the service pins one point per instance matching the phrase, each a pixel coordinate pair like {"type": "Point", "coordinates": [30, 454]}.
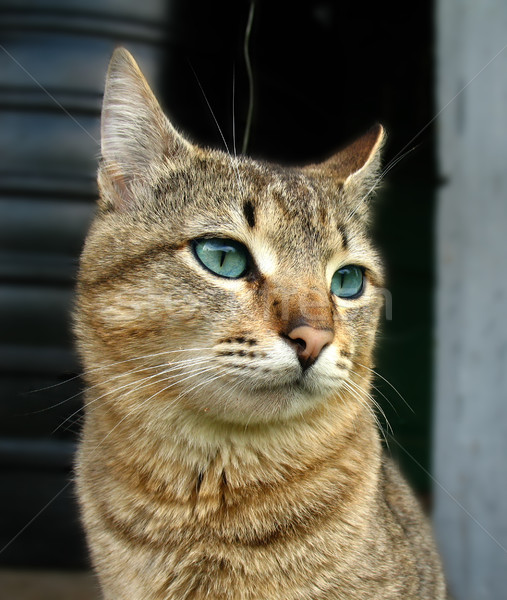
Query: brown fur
{"type": "Point", "coordinates": [210, 465]}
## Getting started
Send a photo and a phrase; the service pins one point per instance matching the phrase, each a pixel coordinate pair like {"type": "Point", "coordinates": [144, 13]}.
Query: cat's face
{"type": "Point", "coordinates": [231, 288]}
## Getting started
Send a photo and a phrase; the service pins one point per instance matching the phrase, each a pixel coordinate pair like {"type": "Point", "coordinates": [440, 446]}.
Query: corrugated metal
{"type": "Point", "coordinates": [53, 58]}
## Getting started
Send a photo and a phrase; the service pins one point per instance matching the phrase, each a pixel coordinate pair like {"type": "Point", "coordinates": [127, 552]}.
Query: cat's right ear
{"type": "Point", "coordinates": [137, 140]}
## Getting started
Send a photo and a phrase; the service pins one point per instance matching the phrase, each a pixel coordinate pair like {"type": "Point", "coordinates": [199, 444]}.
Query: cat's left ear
{"type": "Point", "coordinates": [137, 139]}
{"type": "Point", "coordinates": [357, 166]}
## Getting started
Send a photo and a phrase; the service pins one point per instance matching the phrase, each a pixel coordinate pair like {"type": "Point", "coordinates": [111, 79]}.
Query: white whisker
{"type": "Point", "coordinates": [144, 402]}
{"type": "Point", "coordinates": [138, 383]}
{"type": "Point", "coordinates": [377, 181]}
{"type": "Point", "coordinates": [364, 399]}
{"type": "Point", "coordinates": [201, 384]}
{"type": "Point", "coordinates": [371, 398]}
{"type": "Point", "coordinates": [376, 373]}
{"type": "Point", "coordinates": [234, 111]}
{"type": "Point", "coordinates": [141, 382]}
{"type": "Point", "coordinates": [231, 159]}
{"type": "Point", "coordinates": [114, 364]}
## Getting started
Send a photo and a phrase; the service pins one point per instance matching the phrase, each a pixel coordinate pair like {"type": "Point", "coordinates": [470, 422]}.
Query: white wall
{"type": "Point", "coordinates": [470, 460]}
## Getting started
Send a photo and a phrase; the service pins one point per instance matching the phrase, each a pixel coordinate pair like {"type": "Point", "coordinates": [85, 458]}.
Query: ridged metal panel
{"type": "Point", "coordinates": [53, 59]}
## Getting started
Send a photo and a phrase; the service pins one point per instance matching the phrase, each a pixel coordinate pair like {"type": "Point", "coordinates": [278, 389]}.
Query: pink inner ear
{"type": "Point", "coordinates": [355, 156]}
{"type": "Point", "coordinates": [117, 182]}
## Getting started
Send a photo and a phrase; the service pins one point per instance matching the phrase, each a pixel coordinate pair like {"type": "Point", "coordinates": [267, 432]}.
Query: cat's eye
{"type": "Point", "coordinates": [223, 257]}
{"type": "Point", "coordinates": [348, 282]}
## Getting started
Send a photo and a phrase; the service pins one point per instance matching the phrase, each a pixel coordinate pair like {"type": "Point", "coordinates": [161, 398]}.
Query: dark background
{"type": "Point", "coordinates": [324, 72]}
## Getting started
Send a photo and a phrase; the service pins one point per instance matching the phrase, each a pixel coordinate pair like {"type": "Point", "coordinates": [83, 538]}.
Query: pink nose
{"type": "Point", "coordinates": [309, 342]}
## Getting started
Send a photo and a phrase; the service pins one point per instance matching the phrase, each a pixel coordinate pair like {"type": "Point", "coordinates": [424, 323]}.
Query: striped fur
{"type": "Point", "coordinates": [210, 465]}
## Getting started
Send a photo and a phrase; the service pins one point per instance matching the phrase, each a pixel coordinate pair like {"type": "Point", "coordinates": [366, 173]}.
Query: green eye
{"type": "Point", "coordinates": [347, 282]}
{"type": "Point", "coordinates": [222, 257]}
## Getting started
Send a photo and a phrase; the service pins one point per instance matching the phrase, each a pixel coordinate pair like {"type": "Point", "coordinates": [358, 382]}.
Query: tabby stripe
{"type": "Point", "coordinates": [123, 268]}
{"type": "Point", "coordinates": [345, 239]}
{"type": "Point", "coordinates": [249, 211]}
{"type": "Point", "coordinates": [127, 533]}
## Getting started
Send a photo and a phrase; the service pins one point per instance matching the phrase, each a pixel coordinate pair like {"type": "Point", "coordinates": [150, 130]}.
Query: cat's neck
{"type": "Point", "coordinates": [203, 450]}
{"type": "Point", "coordinates": [247, 487]}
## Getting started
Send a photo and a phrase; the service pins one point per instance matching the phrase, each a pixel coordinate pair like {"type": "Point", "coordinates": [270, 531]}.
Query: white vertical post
{"type": "Point", "coordinates": [470, 416]}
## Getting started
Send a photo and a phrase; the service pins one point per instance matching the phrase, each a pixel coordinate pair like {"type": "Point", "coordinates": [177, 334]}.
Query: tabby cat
{"type": "Point", "coordinates": [226, 315]}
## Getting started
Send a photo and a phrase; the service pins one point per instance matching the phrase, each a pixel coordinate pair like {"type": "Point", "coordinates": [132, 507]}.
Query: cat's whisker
{"type": "Point", "coordinates": [379, 391]}
{"type": "Point", "coordinates": [377, 374]}
{"type": "Point", "coordinates": [141, 405]}
{"type": "Point", "coordinates": [397, 159]}
{"type": "Point", "coordinates": [200, 371]}
{"type": "Point", "coordinates": [231, 158]}
{"type": "Point", "coordinates": [143, 357]}
{"type": "Point", "coordinates": [250, 75]}
{"type": "Point", "coordinates": [53, 406]}
{"type": "Point", "coordinates": [189, 374]}
{"type": "Point", "coordinates": [201, 384]}
{"type": "Point", "coordinates": [186, 392]}
{"type": "Point", "coordinates": [363, 398]}
{"type": "Point", "coordinates": [166, 369]}
{"type": "Point", "coordinates": [163, 374]}
{"type": "Point", "coordinates": [90, 403]}
{"type": "Point", "coordinates": [234, 110]}
{"type": "Point", "coordinates": [102, 383]}
{"type": "Point", "coordinates": [77, 421]}
{"type": "Point", "coordinates": [391, 404]}
{"type": "Point", "coordinates": [113, 364]}
{"type": "Point", "coordinates": [142, 385]}
{"type": "Point", "coordinates": [370, 397]}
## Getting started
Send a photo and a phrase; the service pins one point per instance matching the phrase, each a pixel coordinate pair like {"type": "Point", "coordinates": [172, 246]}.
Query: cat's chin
{"type": "Point", "coordinates": [272, 403]}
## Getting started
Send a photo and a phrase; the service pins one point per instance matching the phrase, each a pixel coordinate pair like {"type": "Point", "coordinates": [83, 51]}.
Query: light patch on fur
{"type": "Point", "coordinates": [264, 256]}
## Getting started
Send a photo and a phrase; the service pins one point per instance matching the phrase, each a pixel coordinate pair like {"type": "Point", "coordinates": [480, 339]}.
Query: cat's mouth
{"type": "Point", "coordinates": [304, 383]}
{"type": "Point", "coordinates": [303, 380]}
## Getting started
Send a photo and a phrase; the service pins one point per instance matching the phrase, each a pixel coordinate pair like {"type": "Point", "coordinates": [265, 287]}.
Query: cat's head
{"type": "Point", "coordinates": [221, 285]}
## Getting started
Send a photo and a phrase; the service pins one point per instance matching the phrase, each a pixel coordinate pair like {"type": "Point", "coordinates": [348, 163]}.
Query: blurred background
{"type": "Point", "coordinates": [320, 73]}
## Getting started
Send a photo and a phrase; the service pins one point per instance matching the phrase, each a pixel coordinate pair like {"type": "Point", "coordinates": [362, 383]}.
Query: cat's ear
{"type": "Point", "coordinates": [361, 159]}
{"type": "Point", "coordinates": [137, 139]}
{"type": "Point", "coordinates": [357, 166]}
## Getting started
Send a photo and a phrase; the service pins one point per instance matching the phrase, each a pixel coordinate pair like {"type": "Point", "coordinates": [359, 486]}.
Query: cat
{"type": "Point", "coordinates": [226, 316]}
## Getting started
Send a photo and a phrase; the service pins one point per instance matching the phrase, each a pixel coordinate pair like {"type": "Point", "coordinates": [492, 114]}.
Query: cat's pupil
{"type": "Point", "coordinates": [223, 257]}
{"type": "Point", "coordinates": [348, 282]}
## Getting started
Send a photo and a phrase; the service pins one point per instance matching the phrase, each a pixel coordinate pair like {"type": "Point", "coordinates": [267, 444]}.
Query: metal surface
{"type": "Point", "coordinates": [53, 58]}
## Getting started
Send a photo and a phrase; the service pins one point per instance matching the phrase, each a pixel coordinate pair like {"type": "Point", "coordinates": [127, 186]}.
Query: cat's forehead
{"type": "Point", "coordinates": [299, 217]}
{"type": "Point", "coordinates": [292, 224]}
{"type": "Point", "coordinates": [264, 193]}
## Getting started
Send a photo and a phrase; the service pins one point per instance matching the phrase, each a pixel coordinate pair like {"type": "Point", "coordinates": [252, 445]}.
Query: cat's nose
{"type": "Point", "coordinates": [309, 342]}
